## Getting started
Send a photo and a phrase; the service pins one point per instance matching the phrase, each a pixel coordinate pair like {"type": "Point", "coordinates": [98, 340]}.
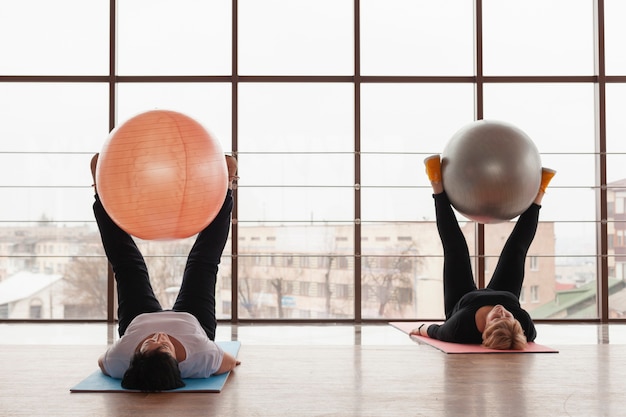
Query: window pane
{"type": "Point", "coordinates": [289, 271]}
{"type": "Point", "coordinates": [396, 204]}
{"type": "Point", "coordinates": [44, 170]}
{"type": "Point", "coordinates": [560, 272]}
{"type": "Point", "coordinates": [616, 172]}
{"type": "Point", "coordinates": [615, 36]}
{"type": "Point", "coordinates": [47, 117]}
{"type": "Point", "coordinates": [413, 117]}
{"type": "Point", "coordinates": [559, 112]}
{"type": "Point", "coordinates": [401, 271]}
{"type": "Point", "coordinates": [208, 103]}
{"type": "Point", "coordinates": [293, 170]}
{"type": "Point", "coordinates": [42, 37]}
{"type": "Point", "coordinates": [400, 125]}
{"type": "Point", "coordinates": [580, 203]}
{"type": "Point", "coordinates": [295, 204]}
{"type": "Point", "coordinates": [616, 282]}
{"type": "Point", "coordinates": [522, 38]}
{"type": "Point", "coordinates": [56, 205]}
{"type": "Point", "coordinates": [615, 122]}
{"type": "Point", "coordinates": [563, 267]}
{"type": "Point", "coordinates": [52, 129]}
{"type": "Point", "coordinates": [574, 298]}
{"type": "Point", "coordinates": [391, 170]}
{"type": "Point", "coordinates": [543, 282]}
{"type": "Point", "coordinates": [575, 242]}
{"type": "Point", "coordinates": [287, 37]}
{"type": "Point", "coordinates": [617, 244]}
{"type": "Point", "coordinates": [408, 37]}
{"type": "Point", "coordinates": [574, 170]}
{"type": "Point", "coordinates": [280, 126]}
{"type": "Point", "coordinates": [296, 118]}
{"type": "Point", "coordinates": [167, 37]}
{"type": "Point", "coordinates": [38, 286]}
{"type": "Point", "coordinates": [616, 195]}
{"type": "Point", "coordinates": [166, 262]}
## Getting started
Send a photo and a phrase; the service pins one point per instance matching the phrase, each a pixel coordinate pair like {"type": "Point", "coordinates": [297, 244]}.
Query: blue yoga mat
{"type": "Point", "coordinates": [98, 382]}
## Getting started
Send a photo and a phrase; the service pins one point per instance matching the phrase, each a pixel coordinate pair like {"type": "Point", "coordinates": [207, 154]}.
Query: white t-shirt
{"type": "Point", "coordinates": [204, 357]}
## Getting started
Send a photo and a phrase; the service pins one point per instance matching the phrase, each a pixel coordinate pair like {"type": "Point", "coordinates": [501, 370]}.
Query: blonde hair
{"type": "Point", "coordinates": [504, 334]}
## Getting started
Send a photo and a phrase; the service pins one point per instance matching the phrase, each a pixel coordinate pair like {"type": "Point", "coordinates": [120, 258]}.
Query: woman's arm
{"type": "Point", "coordinates": [229, 362]}
{"type": "Point", "coordinates": [421, 330]}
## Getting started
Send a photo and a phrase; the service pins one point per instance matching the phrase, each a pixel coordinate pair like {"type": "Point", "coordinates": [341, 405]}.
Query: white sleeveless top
{"type": "Point", "coordinates": [204, 357]}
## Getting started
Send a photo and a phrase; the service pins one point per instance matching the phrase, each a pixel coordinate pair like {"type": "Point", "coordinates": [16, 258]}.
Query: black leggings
{"type": "Point", "coordinates": [458, 278]}
{"type": "Point", "coordinates": [197, 291]}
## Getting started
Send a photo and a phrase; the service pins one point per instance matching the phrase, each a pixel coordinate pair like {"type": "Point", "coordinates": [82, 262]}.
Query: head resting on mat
{"type": "Point", "coordinates": [154, 370]}
{"type": "Point", "coordinates": [504, 333]}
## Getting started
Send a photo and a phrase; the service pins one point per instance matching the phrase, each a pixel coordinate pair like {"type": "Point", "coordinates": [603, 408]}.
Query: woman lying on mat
{"type": "Point", "coordinates": [158, 348]}
{"type": "Point", "coordinates": [493, 315]}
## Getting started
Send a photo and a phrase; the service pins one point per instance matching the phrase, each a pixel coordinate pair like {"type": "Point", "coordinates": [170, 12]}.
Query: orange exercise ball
{"type": "Point", "coordinates": [161, 175]}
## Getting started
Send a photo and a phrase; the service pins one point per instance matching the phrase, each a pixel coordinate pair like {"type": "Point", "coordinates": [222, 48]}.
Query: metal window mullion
{"type": "Point", "coordinates": [112, 111]}
{"type": "Point", "coordinates": [234, 239]}
{"type": "Point", "coordinates": [357, 164]}
{"type": "Point", "coordinates": [600, 166]}
{"type": "Point", "coordinates": [479, 114]}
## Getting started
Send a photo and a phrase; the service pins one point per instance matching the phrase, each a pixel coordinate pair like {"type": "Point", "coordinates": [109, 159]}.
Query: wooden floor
{"type": "Point", "coordinates": [370, 370]}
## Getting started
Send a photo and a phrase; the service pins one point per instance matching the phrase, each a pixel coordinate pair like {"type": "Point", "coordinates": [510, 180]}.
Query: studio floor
{"type": "Point", "coordinates": [329, 370]}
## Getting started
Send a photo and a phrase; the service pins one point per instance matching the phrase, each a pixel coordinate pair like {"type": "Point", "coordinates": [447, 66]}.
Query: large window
{"type": "Point", "coordinates": [331, 107]}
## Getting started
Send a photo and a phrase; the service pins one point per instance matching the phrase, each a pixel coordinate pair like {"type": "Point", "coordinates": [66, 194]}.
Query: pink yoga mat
{"type": "Point", "coordinates": [448, 347]}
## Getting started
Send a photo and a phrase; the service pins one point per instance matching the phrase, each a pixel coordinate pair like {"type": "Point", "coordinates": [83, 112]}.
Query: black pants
{"type": "Point", "coordinates": [458, 278]}
{"type": "Point", "coordinates": [197, 291]}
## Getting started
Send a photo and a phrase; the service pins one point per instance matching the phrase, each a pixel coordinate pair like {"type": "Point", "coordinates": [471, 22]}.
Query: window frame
{"type": "Point", "coordinates": [599, 80]}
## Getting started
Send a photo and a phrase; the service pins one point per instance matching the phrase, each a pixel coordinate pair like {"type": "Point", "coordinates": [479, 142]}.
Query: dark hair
{"type": "Point", "coordinates": [152, 371]}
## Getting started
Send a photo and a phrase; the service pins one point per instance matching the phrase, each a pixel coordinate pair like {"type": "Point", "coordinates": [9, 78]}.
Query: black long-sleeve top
{"type": "Point", "coordinates": [460, 327]}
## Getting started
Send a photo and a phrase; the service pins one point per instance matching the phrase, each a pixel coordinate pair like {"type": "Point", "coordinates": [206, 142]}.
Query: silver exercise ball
{"type": "Point", "coordinates": [491, 171]}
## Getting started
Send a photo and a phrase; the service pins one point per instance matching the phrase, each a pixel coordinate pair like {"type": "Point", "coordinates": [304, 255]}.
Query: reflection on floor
{"type": "Point", "coordinates": [288, 334]}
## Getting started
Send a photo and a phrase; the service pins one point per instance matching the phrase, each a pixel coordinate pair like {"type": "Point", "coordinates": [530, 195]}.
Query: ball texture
{"type": "Point", "coordinates": [491, 171]}
{"type": "Point", "coordinates": [161, 175]}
